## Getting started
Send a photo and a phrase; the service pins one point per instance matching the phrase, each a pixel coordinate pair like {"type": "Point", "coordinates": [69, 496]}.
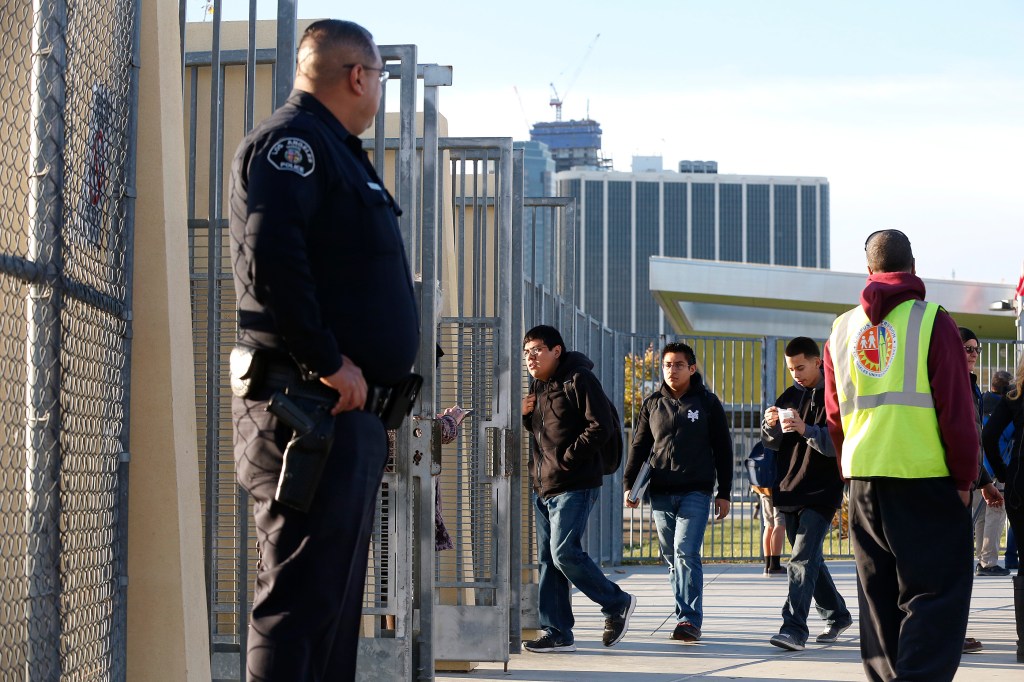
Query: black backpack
{"type": "Point", "coordinates": [611, 451]}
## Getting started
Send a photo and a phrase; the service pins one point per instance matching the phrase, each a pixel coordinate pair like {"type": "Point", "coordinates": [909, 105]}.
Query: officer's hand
{"type": "Point", "coordinates": [796, 423]}
{"type": "Point", "coordinates": [965, 497]}
{"type": "Point", "coordinates": [721, 509]}
{"type": "Point", "coordinates": [529, 402]}
{"type": "Point", "coordinates": [771, 416]}
{"type": "Point", "coordinates": [993, 497]}
{"type": "Point", "coordinates": [348, 381]}
{"type": "Point", "coordinates": [631, 505]}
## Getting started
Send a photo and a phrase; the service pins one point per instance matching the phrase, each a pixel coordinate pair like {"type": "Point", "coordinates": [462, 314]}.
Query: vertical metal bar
{"type": "Point", "coordinates": [119, 636]}
{"type": "Point", "coordinates": [43, 308]}
{"type": "Point", "coordinates": [181, 36]}
{"type": "Point", "coordinates": [213, 244]}
{"type": "Point", "coordinates": [406, 160]}
{"type": "Point", "coordinates": [459, 210]}
{"type": "Point", "coordinates": [425, 559]}
{"type": "Point", "coordinates": [284, 74]}
{"type": "Point", "coordinates": [515, 446]}
{"type": "Point", "coordinates": [241, 496]}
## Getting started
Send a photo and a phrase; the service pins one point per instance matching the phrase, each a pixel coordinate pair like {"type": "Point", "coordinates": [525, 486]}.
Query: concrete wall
{"type": "Point", "coordinates": [167, 620]}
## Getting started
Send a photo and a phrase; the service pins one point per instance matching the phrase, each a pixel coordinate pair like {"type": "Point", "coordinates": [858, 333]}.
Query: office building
{"type": "Point", "coordinates": [625, 218]}
{"type": "Point", "coordinates": [573, 144]}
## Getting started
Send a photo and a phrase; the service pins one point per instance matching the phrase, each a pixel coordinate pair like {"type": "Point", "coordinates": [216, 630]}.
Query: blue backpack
{"type": "Point", "coordinates": [760, 465]}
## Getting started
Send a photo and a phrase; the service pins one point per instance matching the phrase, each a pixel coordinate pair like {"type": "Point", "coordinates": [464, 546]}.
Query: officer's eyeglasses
{"type": "Point", "coordinates": [532, 353]}
{"type": "Point", "coordinates": [676, 365]}
{"type": "Point", "coordinates": [384, 75]}
{"type": "Point", "coordinates": [973, 349]}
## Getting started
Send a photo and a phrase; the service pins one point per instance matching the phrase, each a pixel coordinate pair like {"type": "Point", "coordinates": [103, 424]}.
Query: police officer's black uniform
{"type": "Point", "coordinates": [320, 271]}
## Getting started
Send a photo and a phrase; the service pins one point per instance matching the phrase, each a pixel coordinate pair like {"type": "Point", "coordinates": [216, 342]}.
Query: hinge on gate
{"type": "Point", "coordinates": [124, 457]}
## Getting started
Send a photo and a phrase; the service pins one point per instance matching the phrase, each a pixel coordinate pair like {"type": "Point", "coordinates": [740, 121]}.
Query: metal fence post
{"type": "Point", "coordinates": [119, 663]}
{"type": "Point", "coordinates": [284, 71]}
{"type": "Point", "coordinates": [43, 306]}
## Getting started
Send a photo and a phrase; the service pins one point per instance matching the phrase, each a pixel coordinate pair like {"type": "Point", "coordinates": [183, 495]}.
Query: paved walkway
{"type": "Point", "coordinates": [741, 611]}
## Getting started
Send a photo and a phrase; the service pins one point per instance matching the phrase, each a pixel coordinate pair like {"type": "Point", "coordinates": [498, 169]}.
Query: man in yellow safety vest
{"type": "Point", "coordinates": [897, 396]}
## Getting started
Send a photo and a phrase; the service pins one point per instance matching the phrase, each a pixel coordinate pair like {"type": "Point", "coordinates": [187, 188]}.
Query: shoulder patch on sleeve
{"type": "Point", "coordinates": [292, 154]}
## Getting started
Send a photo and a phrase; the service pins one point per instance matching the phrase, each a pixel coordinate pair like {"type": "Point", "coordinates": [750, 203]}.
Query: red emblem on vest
{"type": "Point", "coordinates": [874, 348]}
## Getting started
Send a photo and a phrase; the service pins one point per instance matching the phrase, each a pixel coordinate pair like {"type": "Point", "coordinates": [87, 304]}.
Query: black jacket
{"type": "Point", "coordinates": [1007, 412]}
{"type": "Point", "coordinates": [690, 439]}
{"type": "Point", "coordinates": [319, 265]}
{"type": "Point", "coordinates": [570, 422]}
{"type": "Point", "coordinates": [808, 474]}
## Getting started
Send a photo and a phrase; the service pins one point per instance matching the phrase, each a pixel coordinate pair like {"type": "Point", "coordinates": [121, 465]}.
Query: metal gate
{"type": "Point", "coordinates": [67, 206]}
{"type": "Point", "coordinates": [472, 581]}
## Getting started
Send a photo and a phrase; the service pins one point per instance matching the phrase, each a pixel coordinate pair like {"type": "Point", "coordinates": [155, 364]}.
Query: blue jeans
{"type": "Point", "coordinates": [681, 520]}
{"type": "Point", "coordinates": [808, 576]}
{"type": "Point", "coordinates": [561, 523]}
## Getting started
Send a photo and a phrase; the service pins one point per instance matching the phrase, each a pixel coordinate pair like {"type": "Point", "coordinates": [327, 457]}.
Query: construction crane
{"type": "Point", "coordinates": [556, 101]}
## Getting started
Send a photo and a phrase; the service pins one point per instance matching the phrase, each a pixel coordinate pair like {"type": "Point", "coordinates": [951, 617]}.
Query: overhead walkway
{"type": "Point", "coordinates": [741, 611]}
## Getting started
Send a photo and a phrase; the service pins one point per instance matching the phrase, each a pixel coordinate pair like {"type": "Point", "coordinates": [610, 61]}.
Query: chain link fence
{"type": "Point", "coordinates": [68, 99]}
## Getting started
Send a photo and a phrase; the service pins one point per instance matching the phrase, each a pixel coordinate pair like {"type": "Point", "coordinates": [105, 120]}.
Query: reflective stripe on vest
{"type": "Point", "coordinates": [885, 401]}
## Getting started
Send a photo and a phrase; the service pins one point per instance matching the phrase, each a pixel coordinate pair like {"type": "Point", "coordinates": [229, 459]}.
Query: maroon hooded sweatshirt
{"type": "Point", "coordinates": [947, 374]}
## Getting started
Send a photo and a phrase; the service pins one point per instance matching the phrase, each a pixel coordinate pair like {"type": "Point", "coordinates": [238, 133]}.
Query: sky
{"type": "Point", "coordinates": [913, 110]}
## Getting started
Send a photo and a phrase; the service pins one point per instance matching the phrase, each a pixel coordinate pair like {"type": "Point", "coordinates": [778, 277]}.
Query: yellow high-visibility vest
{"type": "Point", "coordinates": [885, 400]}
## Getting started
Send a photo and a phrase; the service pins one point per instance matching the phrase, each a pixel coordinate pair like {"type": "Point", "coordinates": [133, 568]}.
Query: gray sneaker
{"type": "Point", "coordinates": [785, 640]}
{"type": "Point", "coordinates": [831, 633]}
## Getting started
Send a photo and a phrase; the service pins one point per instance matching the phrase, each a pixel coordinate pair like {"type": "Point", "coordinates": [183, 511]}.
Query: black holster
{"type": "Point", "coordinates": [308, 414]}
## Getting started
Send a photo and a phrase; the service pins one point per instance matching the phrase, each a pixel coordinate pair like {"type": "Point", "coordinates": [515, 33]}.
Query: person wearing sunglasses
{"type": "Point", "coordinates": [899, 410]}
{"type": "Point", "coordinates": [325, 307]}
{"type": "Point", "coordinates": [987, 506]}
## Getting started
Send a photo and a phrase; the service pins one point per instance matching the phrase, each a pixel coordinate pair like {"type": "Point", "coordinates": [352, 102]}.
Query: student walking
{"type": "Point", "coordinates": [682, 429]}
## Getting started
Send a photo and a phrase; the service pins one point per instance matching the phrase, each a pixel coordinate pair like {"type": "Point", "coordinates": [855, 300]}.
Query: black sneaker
{"type": "Point", "coordinates": [615, 627]}
{"type": "Point", "coordinates": [993, 570]}
{"type": "Point", "coordinates": [547, 644]}
{"type": "Point", "coordinates": [686, 632]}
{"type": "Point", "coordinates": [784, 640]}
{"type": "Point", "coordinates": [831, 633]}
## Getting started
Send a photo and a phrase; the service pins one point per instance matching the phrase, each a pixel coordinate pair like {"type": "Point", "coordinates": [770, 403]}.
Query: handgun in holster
{"type": "Point", "coordinates": [308, 414]}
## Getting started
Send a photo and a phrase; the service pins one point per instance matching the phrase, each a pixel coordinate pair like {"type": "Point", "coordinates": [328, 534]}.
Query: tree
{"type": "Point", "coordinates": [642, 378]}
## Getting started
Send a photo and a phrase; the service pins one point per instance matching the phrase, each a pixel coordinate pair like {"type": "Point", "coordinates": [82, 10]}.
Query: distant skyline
{"type": "Point", "coordinates": [914, 110]}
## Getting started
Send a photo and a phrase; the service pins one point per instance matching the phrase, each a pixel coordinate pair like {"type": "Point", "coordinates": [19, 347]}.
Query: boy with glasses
{"type": "Point", "coordinates": [683, 429]}
{"type": "Point", "coordinates": [570, 419]}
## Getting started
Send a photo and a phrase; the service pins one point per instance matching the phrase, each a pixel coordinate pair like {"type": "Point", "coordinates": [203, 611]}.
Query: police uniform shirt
{"type": "Point", "coordinates": [319, 265]}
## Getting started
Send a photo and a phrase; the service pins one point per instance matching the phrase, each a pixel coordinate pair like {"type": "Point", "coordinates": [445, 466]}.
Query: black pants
{"type": "Point", "coordinates": [912, 540]}
{"type": "Point", "coordinates": [309, 588]}
{"type": "Point", "coordinates": [1015, 504]}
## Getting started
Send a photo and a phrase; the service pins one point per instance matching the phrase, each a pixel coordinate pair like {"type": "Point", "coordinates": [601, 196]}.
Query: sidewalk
{"type": "Point", "coordinates": [741, 611]}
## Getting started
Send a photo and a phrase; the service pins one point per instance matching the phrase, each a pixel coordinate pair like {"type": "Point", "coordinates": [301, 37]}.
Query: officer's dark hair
{"type": "Point", "coordinates": [1001, 382]}
{"type": "Point", "coordinates": [805, 345]}
{"type": "Point", "coordinates": [546, 333]}
{"type": "Point", "coordinates": [331, 38]}
{"type": "Point", "coordinates": [966, 335]}
{"type": "Point", "coordinates": [889, 251]}
{"type": "Point", "coordinates": [679, 347]}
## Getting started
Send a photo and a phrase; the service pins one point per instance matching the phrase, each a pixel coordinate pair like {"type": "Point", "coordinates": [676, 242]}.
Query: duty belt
{"type": "Point", "coordinates": [281, 374]}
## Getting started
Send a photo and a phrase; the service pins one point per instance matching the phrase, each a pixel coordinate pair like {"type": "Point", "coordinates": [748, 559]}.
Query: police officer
{"type": "Point", "coordinates": [899, 411]}
{"type": "Point", "coordinates": [325, 298]}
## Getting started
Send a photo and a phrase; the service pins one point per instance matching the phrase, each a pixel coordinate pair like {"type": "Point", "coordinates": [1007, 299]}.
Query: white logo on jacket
{"type": "Point", "coordinates": [693, 415]}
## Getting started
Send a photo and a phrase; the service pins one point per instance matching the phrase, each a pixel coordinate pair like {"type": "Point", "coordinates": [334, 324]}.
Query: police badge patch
{"type": "Point", "coordinates": [292, 154]}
